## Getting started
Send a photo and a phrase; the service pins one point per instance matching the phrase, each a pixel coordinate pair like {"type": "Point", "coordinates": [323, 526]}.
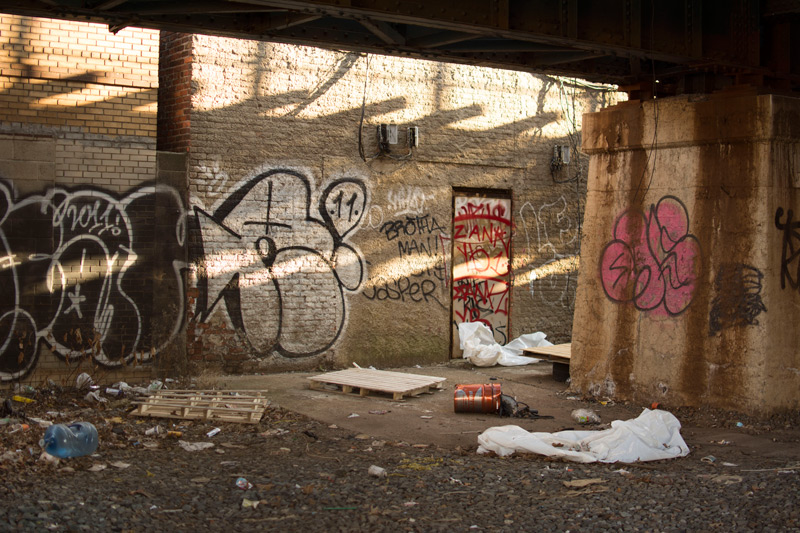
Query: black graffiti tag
{"type": "Point", "coordinates": [790, 251]}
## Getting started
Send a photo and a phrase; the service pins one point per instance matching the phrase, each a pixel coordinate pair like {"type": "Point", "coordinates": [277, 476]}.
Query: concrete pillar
{"type": "Point", "coordinates": [690, 261]}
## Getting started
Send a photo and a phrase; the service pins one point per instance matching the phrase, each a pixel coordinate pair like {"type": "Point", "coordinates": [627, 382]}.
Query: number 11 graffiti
{"type": "Point", "coordinates": [653, 260]}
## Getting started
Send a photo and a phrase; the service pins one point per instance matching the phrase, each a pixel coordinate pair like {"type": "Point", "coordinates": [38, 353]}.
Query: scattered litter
{"type": "Point", "coordinates": [250, 503]}
{"type": "Point", "coordinates": [44, 457]}
{"type": "Point", "coordinates": [477, 342]}
{"type": "Point", "coordinates": [113, 392]}
{"type": "Point", "coordinates": [652, 436]}
{"type": "Point", "coordinates": [377, 471]}
{"type": "Point", "coordinates": [83, 381]}
{"type": "Point", "coordinates": [509, 406]}
{"type": "Point", "coordinates": [410, 504]}
{"type": "Point", "coordinates": [94, 397]}
{"type": "Point", "coordinates": [378, 412]}
{"type": "Point", "coordinates": [739, 425]}
{"type": "Point", "coordinates": [213, 432]}
{"type": "Point", "coordinates": [585, 416]}
{"type": "Point", "coordinates": [729, 464]}
{"type": "Point", "coordinates": [22, 399]}
{"type": "Point", "coordinates": [98, 467]}
{"type": "Point", "coordinates": [727, 480]}
{"type": "Point", "coordinates": [40, 422]}
{"type": "Point", "coordinates": [333, 426]}
{"type": "Point", "coordinates": [120, 465]}
{"type": "Point", "coordinates": [157, 430]}
{"type": "Point", "coordinates": [353, 415]}
{"type": "Point", "coordinates": [155, 386]}
{"type": "Point", "coordinates": [362, 436]}
{"type": "Point", "coordinates": [274, 432]}
{"type": "Point", "coordinates": [243, 484]}
{"type": "Point", "coordinates": [426, 417]}
{"type": "Point", "coordinates": [195, 446]}
{"type": "Point", "coordinates": [580, 483]}
{"type": "Point", "coordinates": [75, 440]}
{"type": "Point", "coordinates": [723, 442]}
{"type": "Point", "coordinates": [710, 459]}
{"type": "Point", "coordinates": [622, 472]}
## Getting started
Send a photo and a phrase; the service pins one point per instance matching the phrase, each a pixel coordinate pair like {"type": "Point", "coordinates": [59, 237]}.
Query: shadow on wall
{"type": "Point", "coordinates": [78, 271]}
{"type": "Point", "coordinates": [264, 250]}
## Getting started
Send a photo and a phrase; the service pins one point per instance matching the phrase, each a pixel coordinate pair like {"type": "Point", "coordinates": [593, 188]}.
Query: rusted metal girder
{"type": "Point", "coordinates": [617, 41]}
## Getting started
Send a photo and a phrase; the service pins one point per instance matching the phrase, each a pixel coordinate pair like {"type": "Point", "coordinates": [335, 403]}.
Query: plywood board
{"type": "Point", "coordinates": [223, 406]}
{"type": "Point", "coordinates": [366, 380]}
{"type": "Point", "coordinates": [559, 353]}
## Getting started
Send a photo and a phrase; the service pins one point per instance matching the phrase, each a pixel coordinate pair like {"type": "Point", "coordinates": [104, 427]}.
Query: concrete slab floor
{"type": "Point", "coordinates": [532, 384]}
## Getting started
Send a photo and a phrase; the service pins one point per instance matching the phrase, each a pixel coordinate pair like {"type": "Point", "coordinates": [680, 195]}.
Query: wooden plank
{"type": "Point", "coordinates": [560, 353]}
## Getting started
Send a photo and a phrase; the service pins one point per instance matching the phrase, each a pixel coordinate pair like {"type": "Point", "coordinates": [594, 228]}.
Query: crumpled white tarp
{"type": "Point", "coordinates": [652, 436]}
{"type": "Point", "coordinates": [479, 346]}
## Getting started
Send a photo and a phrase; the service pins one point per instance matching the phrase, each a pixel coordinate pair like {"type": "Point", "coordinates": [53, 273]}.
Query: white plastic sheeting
{"type": "Point", "coordinates": [652, 436]}
{"type": "Point", "coordinates": [479, 346]}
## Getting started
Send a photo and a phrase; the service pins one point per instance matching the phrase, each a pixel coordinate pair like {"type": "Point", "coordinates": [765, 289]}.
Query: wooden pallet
{"type": "Point", "coordinates": [245, 406]}
{"type": "Point", "coordinates": [366, 380]}
{"type": "Point", "coordinates": [559, 353]}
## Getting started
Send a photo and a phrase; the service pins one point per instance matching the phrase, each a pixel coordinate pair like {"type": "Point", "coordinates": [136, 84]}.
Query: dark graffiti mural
{"type": "Point", "coordinates": [653, 260]}
{"type": "Point", "coordinates": [738, 297]}
{"type": "Point", "coordinates": [78, 269]}
{"type": "Point", "coordinates": [790, 265]}
{"type": "Point", "coordinates": [280, 272]}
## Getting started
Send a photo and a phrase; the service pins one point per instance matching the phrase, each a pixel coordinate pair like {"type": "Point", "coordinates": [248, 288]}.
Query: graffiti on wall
{"type": "Point", "coordinates": [653, 259]}
{"type": "Point", "coordinates": [738, 297]}
{"type": "Point", "coordinates": [78, 271]}
{"type": "Point", "coordinates": [554, 238]}
{"type": "Point", "coordinates": [481, 255]}
{"type": "Point", "coordinates": [419, 240]}
{"type": "Point", "coordinates": [278, 268]}
{"type": "Point", "coordinates": [790, 253]}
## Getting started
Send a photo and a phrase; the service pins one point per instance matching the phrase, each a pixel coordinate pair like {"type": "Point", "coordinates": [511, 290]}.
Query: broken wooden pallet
{"type": "Point", "coordinates": [244, 406]}
{"type": "Point", "coordinates": [367, 380]}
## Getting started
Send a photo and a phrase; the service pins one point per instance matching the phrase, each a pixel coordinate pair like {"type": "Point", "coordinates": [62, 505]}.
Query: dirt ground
{"type": "Point", "coordinates": [306, 464]}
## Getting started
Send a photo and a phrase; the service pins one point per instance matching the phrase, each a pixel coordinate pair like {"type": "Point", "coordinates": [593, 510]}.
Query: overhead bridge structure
{"type": "Point", "coordinates": [687, 46]}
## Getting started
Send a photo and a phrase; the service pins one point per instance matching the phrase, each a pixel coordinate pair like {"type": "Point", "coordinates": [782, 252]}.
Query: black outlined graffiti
{"type": "Point", "coordinates": [653, 260]}
{"type": "Point", "coordinates": [790, 252]}
{"type": "Point", "coordinates": [78, 271]}
{"type": "Point", "coordinates": [738, 297]}
{"type": "Point", "coordinates": [280, 272]}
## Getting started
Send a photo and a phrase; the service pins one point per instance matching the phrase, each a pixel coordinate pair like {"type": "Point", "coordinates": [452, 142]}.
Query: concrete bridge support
{"type": "Point", "coordinates": [689, 287]}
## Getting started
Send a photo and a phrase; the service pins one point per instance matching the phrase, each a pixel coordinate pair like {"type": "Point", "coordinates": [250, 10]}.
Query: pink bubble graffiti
{"type": "Point", "coordinates": [653, 260]}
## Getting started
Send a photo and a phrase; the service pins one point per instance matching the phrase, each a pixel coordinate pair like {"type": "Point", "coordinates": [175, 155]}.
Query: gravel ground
{"type": "Point", "coordinates": [306, 475]}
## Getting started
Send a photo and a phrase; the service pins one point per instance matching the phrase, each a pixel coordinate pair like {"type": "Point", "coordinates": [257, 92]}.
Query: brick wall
{"type": "Point", "coordinates": [305, 254]}
{"type": "Point", "coordinates": [174, 94]}
{"type": "Point", "coordinates": [92, 231]}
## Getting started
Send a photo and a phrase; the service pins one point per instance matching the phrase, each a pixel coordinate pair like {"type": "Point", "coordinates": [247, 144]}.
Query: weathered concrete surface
{"type": "Point", "coordinates": [688, 290]}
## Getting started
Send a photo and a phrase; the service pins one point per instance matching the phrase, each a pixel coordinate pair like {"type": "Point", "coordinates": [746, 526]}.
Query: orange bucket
{"type": "Point", "coordinates": [481, 398]}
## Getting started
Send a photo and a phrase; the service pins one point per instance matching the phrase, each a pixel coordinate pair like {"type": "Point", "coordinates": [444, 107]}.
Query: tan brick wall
{"type": "Point", "coordinates": [274, 138]}
{"type": "Point", "coordinates": [92, 235]}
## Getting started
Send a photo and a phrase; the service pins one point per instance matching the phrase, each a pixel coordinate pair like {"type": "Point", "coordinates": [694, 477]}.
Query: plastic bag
{"type": "Point", "coordinates": [652, 436]}
{"type": "Point", "coordinates": [479, 347]}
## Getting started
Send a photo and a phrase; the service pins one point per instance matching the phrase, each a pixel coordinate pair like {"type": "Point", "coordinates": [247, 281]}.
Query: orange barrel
{"type": "Point", "coordinates": [479, 398]}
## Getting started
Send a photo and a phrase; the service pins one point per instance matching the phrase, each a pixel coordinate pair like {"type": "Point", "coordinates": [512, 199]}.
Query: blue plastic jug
{"type": "Point", "coordinates": [73, 440]}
